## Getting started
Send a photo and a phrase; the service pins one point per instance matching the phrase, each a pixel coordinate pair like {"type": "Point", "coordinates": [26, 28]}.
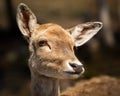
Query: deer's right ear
{"type": "Point", "coordinates": [26, 20]}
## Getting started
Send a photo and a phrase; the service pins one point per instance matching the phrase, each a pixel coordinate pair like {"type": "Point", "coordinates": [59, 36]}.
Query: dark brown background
{"type": "Point", "coordinates": [101, 55]}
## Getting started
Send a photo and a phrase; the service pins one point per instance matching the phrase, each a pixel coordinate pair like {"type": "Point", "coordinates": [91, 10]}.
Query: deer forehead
{"type": "Point", "coordinates": [53, 32]}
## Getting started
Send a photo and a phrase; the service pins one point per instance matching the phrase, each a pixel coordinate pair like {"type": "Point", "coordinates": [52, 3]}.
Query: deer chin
{"type": "Point", "coordinates": [61, 74]}
{"type": "Point", "coordinates": [72, 75]}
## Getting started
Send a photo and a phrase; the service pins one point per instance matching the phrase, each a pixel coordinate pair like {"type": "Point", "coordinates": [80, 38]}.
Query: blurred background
{"type": "Point", "coordinates": [100, 56]}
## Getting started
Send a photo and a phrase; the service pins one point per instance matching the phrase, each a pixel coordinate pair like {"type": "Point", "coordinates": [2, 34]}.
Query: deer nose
{"type": "Point", "coordinates": [77, 68]}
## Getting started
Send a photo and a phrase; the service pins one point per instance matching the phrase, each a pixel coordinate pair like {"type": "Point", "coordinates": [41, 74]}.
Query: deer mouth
{"type": "Point", "coordinates": [75, 73]}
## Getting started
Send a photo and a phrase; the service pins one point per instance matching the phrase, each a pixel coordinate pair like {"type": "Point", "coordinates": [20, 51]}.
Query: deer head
{"type": "Point", "coordinates": [52, 47]}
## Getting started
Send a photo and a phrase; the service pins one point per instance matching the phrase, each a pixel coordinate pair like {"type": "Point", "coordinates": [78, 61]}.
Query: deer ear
{"type": "Point", "coordinates": [84, 32]}
{"type": "Point", "coordinates": [26, 20]}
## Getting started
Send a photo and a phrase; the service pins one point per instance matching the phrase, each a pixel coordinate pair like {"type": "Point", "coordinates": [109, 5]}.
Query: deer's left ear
{"type": "Point", "coordinates": [84, 32]}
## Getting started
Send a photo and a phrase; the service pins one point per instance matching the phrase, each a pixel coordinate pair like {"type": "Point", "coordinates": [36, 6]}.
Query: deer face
{"type": "Point", "coordinates": [51, 46]}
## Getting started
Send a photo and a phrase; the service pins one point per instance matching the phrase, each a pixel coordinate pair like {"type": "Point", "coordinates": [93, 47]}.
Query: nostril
{"type": "Point", "coordinates": [77, 68]}
{"type": "Point", "coordinates": [73, 65]}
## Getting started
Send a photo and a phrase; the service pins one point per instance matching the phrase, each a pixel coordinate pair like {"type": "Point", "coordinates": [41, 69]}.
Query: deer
{"type": "Point", "coordinates": [51, 47]}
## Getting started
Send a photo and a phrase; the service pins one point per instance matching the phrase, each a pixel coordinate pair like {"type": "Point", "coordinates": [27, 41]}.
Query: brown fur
{"type": "Point", "coordinates": [97, 86]}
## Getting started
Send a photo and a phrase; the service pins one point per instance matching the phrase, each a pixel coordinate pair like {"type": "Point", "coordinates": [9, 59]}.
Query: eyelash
{"type": "Point", "coordinates": [43, 43]}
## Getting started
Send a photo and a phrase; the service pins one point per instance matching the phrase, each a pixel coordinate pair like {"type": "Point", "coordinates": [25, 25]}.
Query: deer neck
{"type": "Point", "coordinates": [44, 86]}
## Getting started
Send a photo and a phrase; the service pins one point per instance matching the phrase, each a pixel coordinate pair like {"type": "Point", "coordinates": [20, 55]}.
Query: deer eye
{"type": "Point", "coordinates": [42, 43]}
